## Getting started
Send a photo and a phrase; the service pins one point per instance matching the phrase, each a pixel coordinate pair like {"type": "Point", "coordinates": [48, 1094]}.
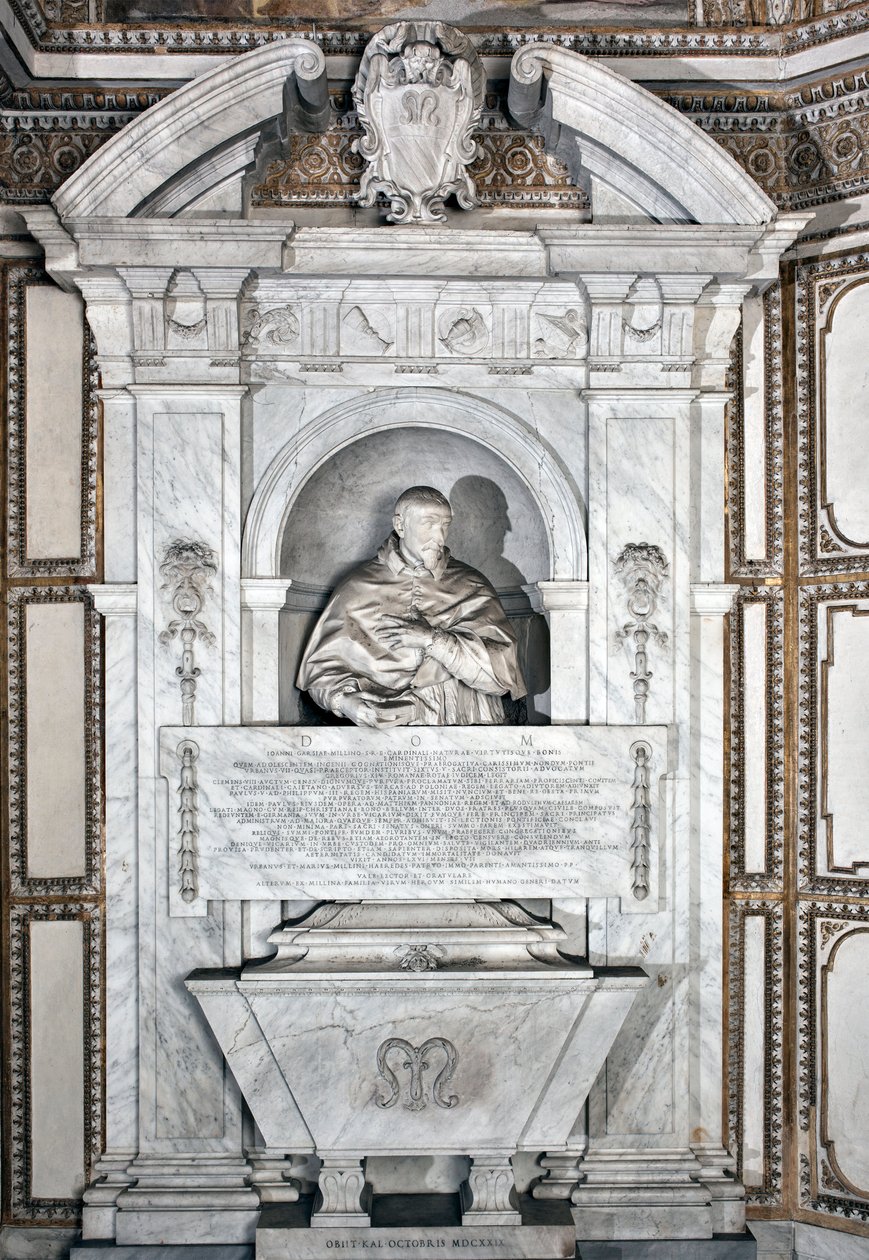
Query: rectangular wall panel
{"type": "Point", "coordinates": [833, 745]}
{"type": "Point", "coordinates": [755, 1073]}
{"type": "Point", "coordinates": [55, 723]}
{"type": "Point", "coordinates": [53, 410]}
{"type": "Point", "coordinates": [754, 626]}
{"type": "Point", "coordinates": [57, 1135]}
{"type": "Point", "coordinates": [833, 1014]}
{"type": "Point", "coordinates": [754, 430]}
{"type": "Point", "coordinates": [754, 1050]}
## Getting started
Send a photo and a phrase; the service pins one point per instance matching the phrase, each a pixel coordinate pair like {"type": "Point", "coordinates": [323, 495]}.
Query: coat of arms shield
{"type": "Point", "coordinates": [419, 96]}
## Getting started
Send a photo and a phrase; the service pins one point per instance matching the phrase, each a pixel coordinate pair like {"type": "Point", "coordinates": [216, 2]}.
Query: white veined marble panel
{"type": "Point", "coordinates": [845, 802]}
{"type": "Point", "coordinates": [753, 1034]}
{"type": "Point", "coordinates": [754, 799]}
{"type": "Point", "coordinates": [640, 492]}
{"type": "Point", "coordinates": [55, 740]}
{"type": "Point", "coordinates": [813, 1243]}
{"type": "Point", "coordinates": [754, 429]}
{"type": "Point", "coordinates": [640, 1083]}
{"type": "Point", "coordinates": [53, 401]}
{"type": "Point", "coordinates": [845, 1068]}
{"type": "Point", "coordinates": [844, 449]}
{"type": "Point", "coordinates": [56, 1059]}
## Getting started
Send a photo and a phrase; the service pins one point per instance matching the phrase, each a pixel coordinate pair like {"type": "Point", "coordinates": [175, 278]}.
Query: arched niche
{"type": "Point", "coordinates": [340, 512]}
{"type": "Point", "coordinates": [344, 511]}
{"type": "Point", "coordinates": [519, 447]}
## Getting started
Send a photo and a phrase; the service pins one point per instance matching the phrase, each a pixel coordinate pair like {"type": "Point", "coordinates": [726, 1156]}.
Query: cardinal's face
{"type": "Point", "coordinates": [423, 529]}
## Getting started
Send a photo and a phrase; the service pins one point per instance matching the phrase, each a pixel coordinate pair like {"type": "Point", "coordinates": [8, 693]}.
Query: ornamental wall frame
{"type": "Point", "coordinates": [20, 884]}
{"type": "Point", "coordinates": [770, 1193]}
{"type": "Point", "coordinates": [827, 817]}
{"type": "Point", "coordinates": [820, 285]}
{"type": "Point", "coordinates": [771, 564]}
{"type": "Point", "coordinates": [19, 564]}
{"type": "Point", "coordinates": [822, 925]}
{"type": "Point", "coordinates": [812, 749]}
{"type": "Point", "coordinates": [18, 1136]}
{"type": "Point", "coordinates": [771, 879]}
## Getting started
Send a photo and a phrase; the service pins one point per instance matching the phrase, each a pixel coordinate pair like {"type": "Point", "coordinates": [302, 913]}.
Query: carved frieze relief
{"type": "Point", "coordinates": [321, 325]}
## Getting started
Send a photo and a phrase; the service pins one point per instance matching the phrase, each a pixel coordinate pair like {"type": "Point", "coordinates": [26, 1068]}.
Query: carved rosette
{"type": "Point", "coordinates": [419, 94]}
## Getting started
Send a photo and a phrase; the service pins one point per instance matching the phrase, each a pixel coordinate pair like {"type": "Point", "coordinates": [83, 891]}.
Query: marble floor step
{"type": "Point", "coordinates": [721, 1247]}
{"type": "Point", "coordinates": [205, 1251]}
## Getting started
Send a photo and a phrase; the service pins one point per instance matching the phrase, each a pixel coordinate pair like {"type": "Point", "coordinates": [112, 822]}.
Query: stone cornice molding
{"type": "Point", "coordinates": [264, 594]}
{"type": "Point", "coordinates": [115, 599]}
{"type": "Point", "coordinates": [630, 141]}
{"type": "Point", "coordinates": [564, 596]}
{"type": "Point", "coordinates": [711, 599]}
{"type": "Point", "coordinates": [196, 122]}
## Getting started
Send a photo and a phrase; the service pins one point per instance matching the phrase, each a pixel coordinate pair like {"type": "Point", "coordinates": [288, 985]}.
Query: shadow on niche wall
{"type": "Point", "coordinates": [344, 513]}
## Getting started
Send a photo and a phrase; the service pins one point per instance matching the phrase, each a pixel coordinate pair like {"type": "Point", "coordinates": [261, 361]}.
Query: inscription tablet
{"type": "Point", "coordinates": [448, 812]}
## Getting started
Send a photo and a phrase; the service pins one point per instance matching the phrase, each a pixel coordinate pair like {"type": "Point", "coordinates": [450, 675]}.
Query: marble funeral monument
{"type": "Point", "coordinates": [414, 929]}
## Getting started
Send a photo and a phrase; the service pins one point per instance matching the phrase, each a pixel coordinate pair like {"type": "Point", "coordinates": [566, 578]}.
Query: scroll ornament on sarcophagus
{"type": "Point", "coordinates": [419, 93]}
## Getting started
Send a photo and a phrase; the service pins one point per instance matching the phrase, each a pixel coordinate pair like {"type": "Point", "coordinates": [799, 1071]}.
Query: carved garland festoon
{"type": "Point", "coordinates": [419, 94]}
{"type": "Point", "coordinates": [642, 568]}
{"type": "Point", "coordinates": [188, 568]}
{"type": "Point", "coordinates": [641, 819]}
{"type": "Point", "coordinates": [188, 821]}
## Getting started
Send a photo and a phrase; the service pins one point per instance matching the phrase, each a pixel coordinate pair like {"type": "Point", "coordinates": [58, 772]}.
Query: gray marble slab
{"type": "Point", "coordinates": [472, 1242]}
{"type": "Point", "coordinates": [207, 1251]}
{"type": "Point", "coordinates": [724, 1247]}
